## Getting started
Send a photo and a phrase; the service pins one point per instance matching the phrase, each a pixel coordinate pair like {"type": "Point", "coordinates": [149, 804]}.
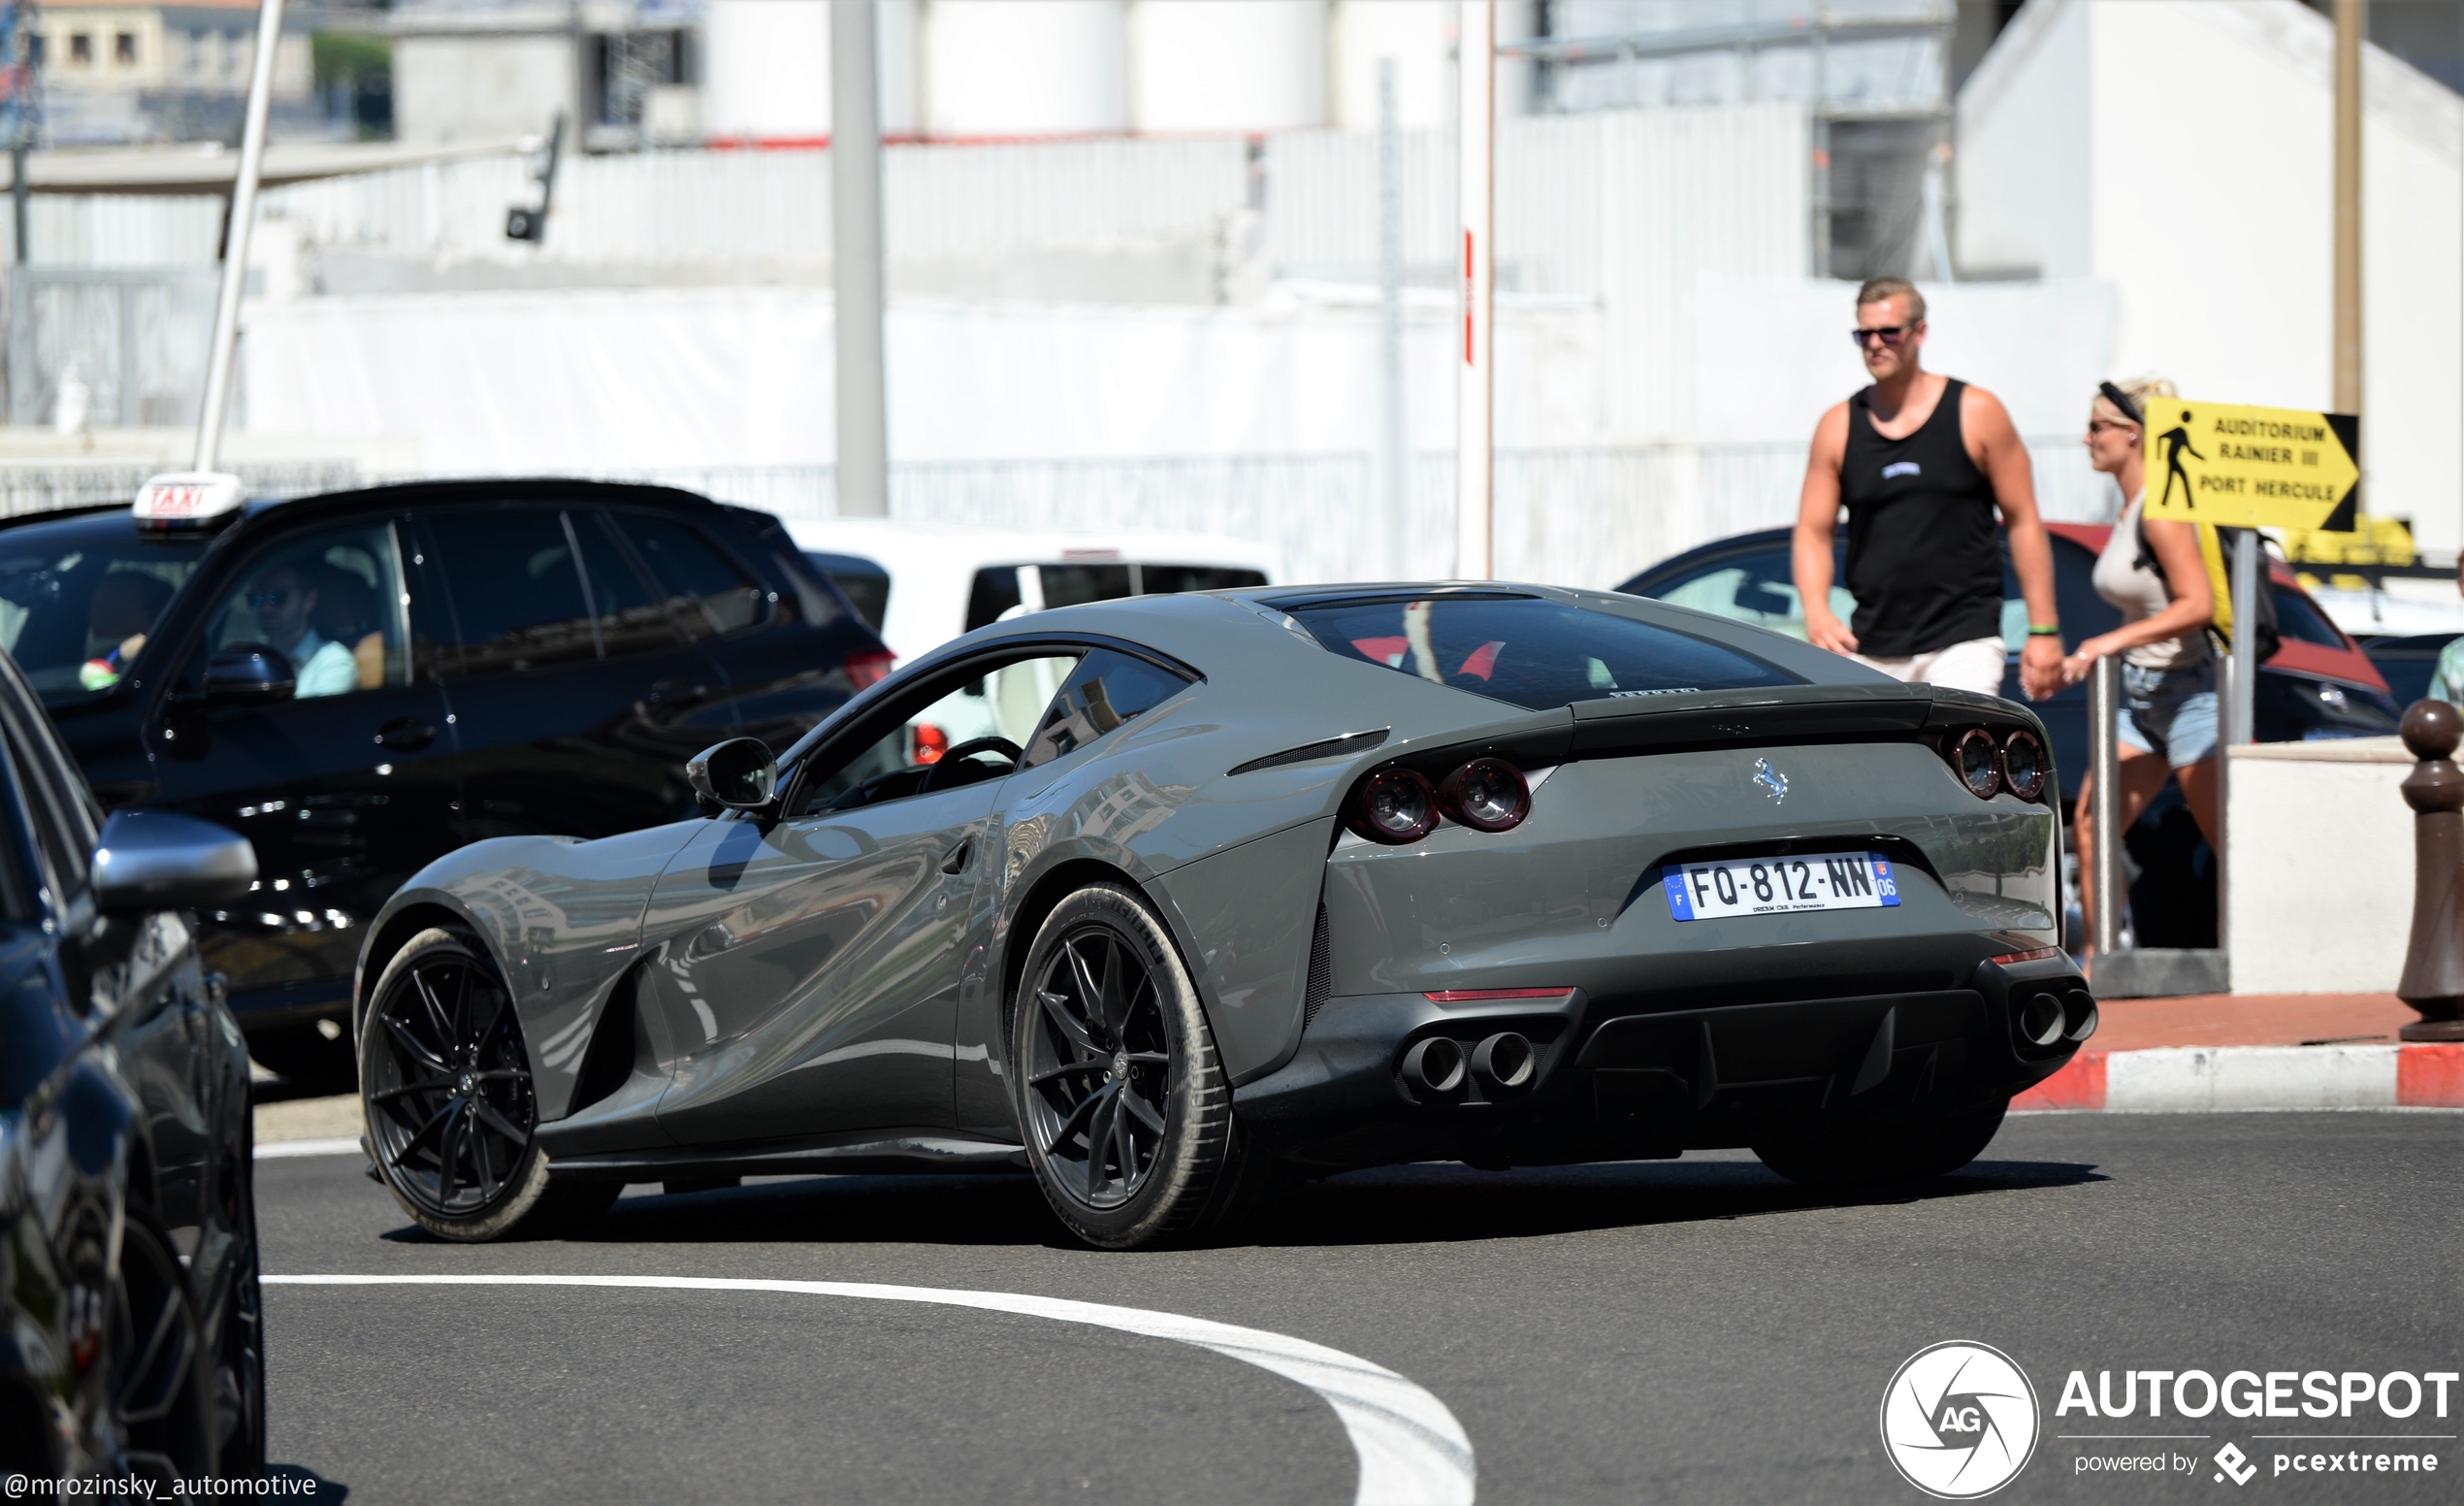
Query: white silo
{"type": "Point", "coordinates": [1227, 65]}
{"type": "Point", "coordinates": [1419, 36]}
{"type": "Point", "coordinates": [765, 68]}
{"type": "Point", "coordinates": [1008, 68]}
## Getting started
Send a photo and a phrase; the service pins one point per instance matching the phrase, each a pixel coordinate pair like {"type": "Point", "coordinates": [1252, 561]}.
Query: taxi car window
{"type": "Point", "coordinates": [516, 588]}
{"type": "Point", "coordinates": [1107, 689]}
{"type": "Point", "coordinates": [631, 618]}
{"type": "Point", "coordinates": [329, 603]}
{"type": "Point", "coordinates": [913, 735]}
{"type": "Point", "coordinates": [1528, 650]}
{"type": "Point", "coordinates": [708, 593]}
{"type": "Point", "coordinates": [79, 597]}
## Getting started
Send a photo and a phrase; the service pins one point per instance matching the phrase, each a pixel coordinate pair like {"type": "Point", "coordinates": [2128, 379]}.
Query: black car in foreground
{"type": "Point", "coordinates": [361, 681]}
{"type": "Point", "coordinates": [130, 1331]}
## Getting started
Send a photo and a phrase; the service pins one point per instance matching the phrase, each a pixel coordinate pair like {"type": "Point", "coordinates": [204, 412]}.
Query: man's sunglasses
{"type": "Point", "coordinates": [277, 596]}
{"type": "Point", "coordinates": [1889, 335]}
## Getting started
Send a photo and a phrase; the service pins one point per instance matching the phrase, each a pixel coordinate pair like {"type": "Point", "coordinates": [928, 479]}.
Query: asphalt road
{"type": "Point", "coordinates": [1695, 1330]}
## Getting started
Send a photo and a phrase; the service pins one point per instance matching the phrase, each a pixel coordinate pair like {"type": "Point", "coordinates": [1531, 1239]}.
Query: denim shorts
{"type": "Point", "coordinates": [2171, 713]}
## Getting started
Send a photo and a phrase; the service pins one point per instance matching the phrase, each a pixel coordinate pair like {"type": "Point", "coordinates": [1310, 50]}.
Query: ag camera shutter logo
{"type": "Point", "coordinates": [1960, 1420]}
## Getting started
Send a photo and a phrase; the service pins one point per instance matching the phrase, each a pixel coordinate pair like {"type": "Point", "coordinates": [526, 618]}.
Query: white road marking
{"type": "Point", "coordinates": [276, 1150]}
{"type": "Point", "coordinates": [1411, 1450]}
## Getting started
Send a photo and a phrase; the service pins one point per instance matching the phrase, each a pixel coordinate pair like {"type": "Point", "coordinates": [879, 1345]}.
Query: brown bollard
{"type": "Point", "coordinates": [2433, 980]}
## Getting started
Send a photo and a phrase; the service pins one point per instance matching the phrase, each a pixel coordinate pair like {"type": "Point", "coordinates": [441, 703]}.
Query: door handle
{"type": "Point", "coordinates": [406, 735]}
{"type": "Point", "coordinates": [957, 861]}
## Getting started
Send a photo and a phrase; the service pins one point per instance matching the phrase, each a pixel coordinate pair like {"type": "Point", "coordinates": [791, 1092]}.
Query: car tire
{"type": "Point", "coordinates": [1121, 1095]}
{"type": "Point", "coordinates": [1906, 1153]}
{"type": "Point", "coordinates": [159, 1380]}
{"type": "Point", "coordinates": [446, 1094]}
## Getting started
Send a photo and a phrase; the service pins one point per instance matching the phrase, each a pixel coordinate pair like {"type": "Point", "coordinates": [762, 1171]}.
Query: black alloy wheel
{"type": "Point", "coordinates": [1099, 1068]}
{"type": "Point", "coordinates": [1122, 1099]}
{"type": "Point", "coordinates": [1881, 1156]}
{"type": "Point", "coordinates": [160, 1399]}
{"type": "Point", "coordinates": [445, 1085]}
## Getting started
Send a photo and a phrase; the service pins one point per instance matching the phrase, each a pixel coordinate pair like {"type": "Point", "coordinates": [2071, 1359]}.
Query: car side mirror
{"type": "Point", "coordinates": [247, 674]}
{"type": "Point", "coordinates": [154, 859]}
{"type": "Point", "coordinates": [737, 774]}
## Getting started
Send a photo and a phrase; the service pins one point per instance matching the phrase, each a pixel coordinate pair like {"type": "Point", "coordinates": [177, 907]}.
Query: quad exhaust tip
{"type": "Point", "coordinates": [1434, 1067]}
{"type": "Point", "coordinates": [2041, 1019]}
{"type": "Point", "coordinates": [1502, 1063]}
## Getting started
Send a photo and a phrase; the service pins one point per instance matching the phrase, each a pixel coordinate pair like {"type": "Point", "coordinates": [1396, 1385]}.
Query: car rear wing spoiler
{"type": "Point", "coordinates": [1791, 713]}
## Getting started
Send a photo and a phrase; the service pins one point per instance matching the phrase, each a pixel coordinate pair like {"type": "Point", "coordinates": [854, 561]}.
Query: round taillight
{"type": "Point", "coordinates": [1486, 795]}
{"type": "Point", "coordinates": [1394, 806]}
{"type": "Point", "coordinates": [1973, 758]}
{"type": "Point", "coordinates": [2024, 764]}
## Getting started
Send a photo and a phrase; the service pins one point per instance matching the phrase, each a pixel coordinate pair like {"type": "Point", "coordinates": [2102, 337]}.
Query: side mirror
{"type": "Point", "coordinates": [153, 860]}
{"type": "Point", "coordinates": [247, 674]}
{"type": "Point", "coordinates": [737, 774]}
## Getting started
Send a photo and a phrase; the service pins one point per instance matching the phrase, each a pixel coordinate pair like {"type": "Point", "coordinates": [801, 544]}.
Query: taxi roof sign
{"type": "Point", "coordinates": [2251, 467]}
{"type": "Point", "coordinates": [188, 499]}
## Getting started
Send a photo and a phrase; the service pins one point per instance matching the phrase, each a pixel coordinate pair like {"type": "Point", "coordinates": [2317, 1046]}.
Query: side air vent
{"type": "Point", "coordinates": [1332, 748]}
{"type": "Point", "coordinates": [1322, 975]}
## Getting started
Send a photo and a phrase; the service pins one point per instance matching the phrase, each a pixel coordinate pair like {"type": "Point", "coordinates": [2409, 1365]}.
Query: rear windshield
{"type": "Point", "coordinates": [1533, 652]}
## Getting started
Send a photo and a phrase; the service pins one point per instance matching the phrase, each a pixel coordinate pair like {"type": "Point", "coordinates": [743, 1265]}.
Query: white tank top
{"type": "Point", "coordinates": [2141, 594]}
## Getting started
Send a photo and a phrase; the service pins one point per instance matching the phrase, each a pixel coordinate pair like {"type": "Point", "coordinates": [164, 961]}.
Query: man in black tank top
{"type": "Point", "coordinates": [1923, 462]}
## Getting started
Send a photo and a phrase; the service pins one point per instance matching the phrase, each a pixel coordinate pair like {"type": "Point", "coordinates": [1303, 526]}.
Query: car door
{"type": "Point", "coordinates": [809, 981]}
{"type": "Point", "coordinates": [577, 696]}
{"type": "Point", "coordinates": [342, 782]}
{"type": "Point", "coordinates": [157, 1026]}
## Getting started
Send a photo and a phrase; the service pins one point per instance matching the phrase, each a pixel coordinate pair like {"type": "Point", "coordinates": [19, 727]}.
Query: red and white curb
{"type": "Point", "coordinates": [2220, 1079]}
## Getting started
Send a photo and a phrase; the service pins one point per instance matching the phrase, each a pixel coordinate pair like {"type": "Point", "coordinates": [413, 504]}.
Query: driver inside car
{"type": "Point", "coordinates": [283, 602]}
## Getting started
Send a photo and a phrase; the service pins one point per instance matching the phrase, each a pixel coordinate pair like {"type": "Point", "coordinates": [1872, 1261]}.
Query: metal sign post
{"type": "Point", "coordinates": [235, 256]}
{"type": "Point", "coordinates": [1475, 55]}
{"type": "Point", "coordinates": [2105, 805]}
{"type": "Point", "coordinates": [855, 266]}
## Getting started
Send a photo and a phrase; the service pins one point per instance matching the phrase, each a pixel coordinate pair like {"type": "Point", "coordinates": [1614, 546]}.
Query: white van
{"type": "Point", "coordinates": [922, 584]}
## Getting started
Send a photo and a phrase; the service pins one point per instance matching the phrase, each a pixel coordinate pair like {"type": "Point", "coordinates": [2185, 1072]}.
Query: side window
{"type": "Point", "coordinates": [1759, 589]}
{"type": "Point", "coordinates": [1175, 578]}
{"type": "Point", "coordinates": [709, 594]}
{"type": "Point", "coordinates": [1107, 689]}
{"type": "Point", "coordinates": [632, 619]}
{"type": "Point", "coordinates": [516, 588]}
{"type": "Point", "coordinates": [53, 797]}
{"type": "Point", "coordinates": [995, 592]}
{"type": "Point", "coordinates": [1072, 586]}
{"type": "Point", "coordinates": [330, 604]}
{"type": "Point", "coordinates": [913, 738]}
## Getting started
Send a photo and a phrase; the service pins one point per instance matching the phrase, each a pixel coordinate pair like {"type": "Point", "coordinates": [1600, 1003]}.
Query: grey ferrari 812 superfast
{"type": "Point", "coordinates": [1166, 900]}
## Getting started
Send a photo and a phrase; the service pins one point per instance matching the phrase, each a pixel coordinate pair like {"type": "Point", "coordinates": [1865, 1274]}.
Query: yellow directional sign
{"type": "Point", "coordinates": [2251, 467]}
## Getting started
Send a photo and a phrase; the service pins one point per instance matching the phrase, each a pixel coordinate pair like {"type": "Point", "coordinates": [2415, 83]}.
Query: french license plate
{"type": "Point", "coordinates": [1771, 886]}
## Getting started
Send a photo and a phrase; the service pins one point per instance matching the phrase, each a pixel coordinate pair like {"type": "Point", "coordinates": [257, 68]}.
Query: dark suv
{"type": "Point", "coordinates": [358, 682]}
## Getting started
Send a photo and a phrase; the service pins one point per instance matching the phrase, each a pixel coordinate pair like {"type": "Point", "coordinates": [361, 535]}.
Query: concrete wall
{"type": "Point", "coordinates": [2321, 890]}
{"type": "Point", "coordinates": [2181, 152]}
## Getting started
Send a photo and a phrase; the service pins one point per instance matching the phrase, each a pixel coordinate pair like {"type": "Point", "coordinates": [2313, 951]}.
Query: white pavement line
{"type": "Point", "coordinates": [276, 1150]}
{"type": "Point", "coordinates": [2174, 1078]}
{"type": "Point", "coordinates": [1411, 1450]}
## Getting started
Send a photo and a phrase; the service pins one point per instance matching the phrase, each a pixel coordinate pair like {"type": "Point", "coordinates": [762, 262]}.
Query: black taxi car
{"type": "Point", "coordinates": [131, 1344]}
{"type": "Point", "coordinates": [361, 681]}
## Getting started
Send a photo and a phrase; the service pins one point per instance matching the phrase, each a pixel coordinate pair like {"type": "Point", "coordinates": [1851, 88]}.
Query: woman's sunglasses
{"type": "Point", "coordinates": [1889, 335]}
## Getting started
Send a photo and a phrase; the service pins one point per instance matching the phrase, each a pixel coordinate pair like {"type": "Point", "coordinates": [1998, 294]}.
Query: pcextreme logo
{"type": "Point", "coordinates": [1959, 1420]}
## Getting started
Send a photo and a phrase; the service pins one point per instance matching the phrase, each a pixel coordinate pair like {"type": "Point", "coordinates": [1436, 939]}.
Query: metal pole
{"type": "Point", "coordinates": [2241, 692]}
{"type": "Point", "coordinates": [235, 256]}
{"type": "Point", "coordinates": [2104, 806]}
{"type": "Point", "coordinates": [1476, 57]}
{"type": "Point", "coordinates": [1394, 433]}
{"type": "Point", "coordinates": [18, 191]}
{"type": "Point", "coordinates": [864, 431]}
{"type": "Point", "coordinates": [1822, 146]}
{"type": "Point", "coordinates": [2351, 17]}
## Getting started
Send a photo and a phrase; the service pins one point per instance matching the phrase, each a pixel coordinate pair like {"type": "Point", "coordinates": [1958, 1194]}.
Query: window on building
{"type": "Point", "coordinates": [125, 49]}
{"type": "Point", "coordinates": [81, 49]}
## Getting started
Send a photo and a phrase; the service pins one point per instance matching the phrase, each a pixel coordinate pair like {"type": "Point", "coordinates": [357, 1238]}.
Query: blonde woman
{"type": "Point", "coordinates": [2150, 568]}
